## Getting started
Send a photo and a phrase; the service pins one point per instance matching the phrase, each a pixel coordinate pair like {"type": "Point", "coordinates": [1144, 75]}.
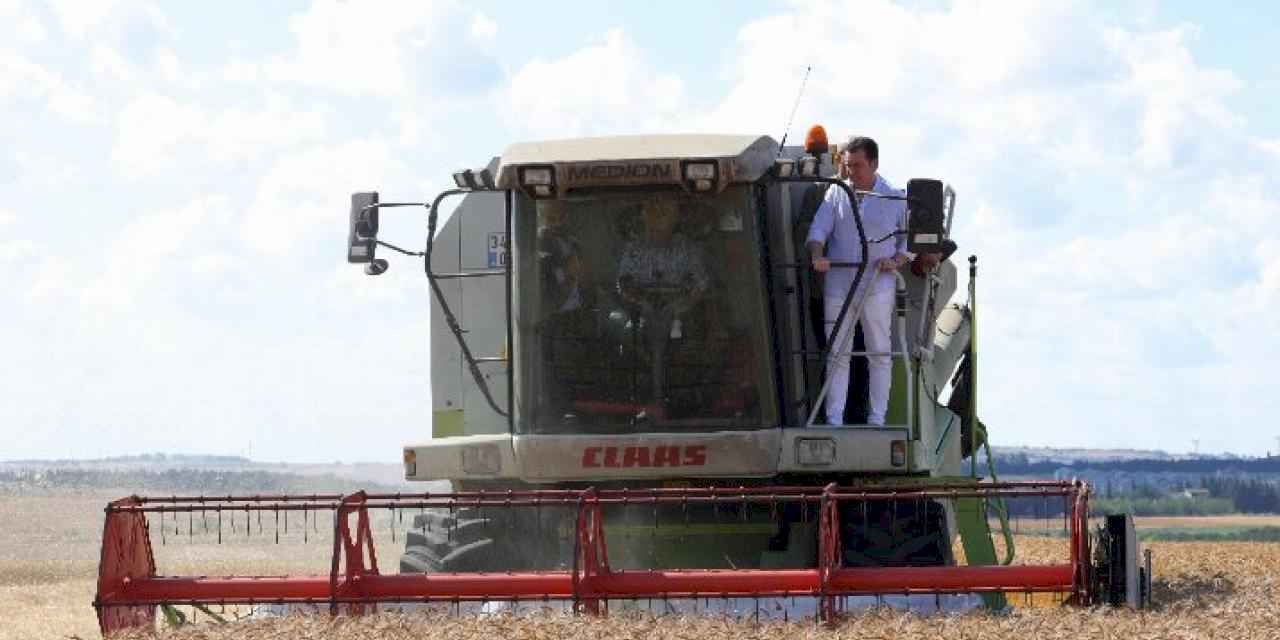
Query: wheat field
{"type": "Point", "coordinates": [49, 547]}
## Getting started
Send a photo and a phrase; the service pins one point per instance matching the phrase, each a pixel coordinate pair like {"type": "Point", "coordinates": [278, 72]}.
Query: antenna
{"type": "Point", "coordinates": [786, 132]}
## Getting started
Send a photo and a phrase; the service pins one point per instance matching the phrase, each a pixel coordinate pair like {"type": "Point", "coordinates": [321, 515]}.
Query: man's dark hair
{"type": "Point", "coordinates": [867, 145]}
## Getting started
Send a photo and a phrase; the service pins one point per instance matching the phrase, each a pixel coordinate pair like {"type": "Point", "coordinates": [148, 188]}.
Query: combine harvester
{"type": "Point", "coordinates": [627, 365]}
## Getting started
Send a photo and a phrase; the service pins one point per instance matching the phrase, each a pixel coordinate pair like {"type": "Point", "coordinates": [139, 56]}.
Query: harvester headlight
{"type": "Point", "coordinates": [540, 182]}
{"type": "Point", "coordinates": [784, 168]}
{"type": "Point", "coordinates": [410, 463]}
{"type": "Point", "coordinates": [478, 179]}
{"type": "Point", "coordinates": [536, 176]}
{"type": "Point", "coordinates": [483, 179]}
{"type": "Point", "coordinates": [898, 453]}
{"type": "Point", "coordinates": [809, 166]}
{"type": "Point", "coordinates": [815, 452]}
{"type": "Point", "coordinates": [700, 171]}
{"type": "Point", "coordinates": [700, 175]}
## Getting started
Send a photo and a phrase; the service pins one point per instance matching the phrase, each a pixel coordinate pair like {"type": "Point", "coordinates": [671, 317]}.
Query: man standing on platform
{"type": "Point", "coordinates": [834, 228]}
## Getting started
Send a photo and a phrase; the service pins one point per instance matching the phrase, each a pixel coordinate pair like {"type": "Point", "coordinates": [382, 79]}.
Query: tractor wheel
{"type": "Point", "coordinates": [471, 539]}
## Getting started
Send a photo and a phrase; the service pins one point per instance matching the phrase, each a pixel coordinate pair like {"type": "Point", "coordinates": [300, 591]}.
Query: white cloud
{"type": "Point", "coordinates": [21, 79]}
{"type": "Point", "coordinates": [41, 170]}
{"type": "Point", "coordinates": [240, 72]}
{"type": "Point", "coordinates": [1270, 146]}
{"type": "Point", "coordinates": [145, 247]}
{"type": "Point", "coordinates": [15, 250]}
{"type": "Point", "coordinates": [154, 129]}
{"type": "Point", "coordinates": [482, 28]}
{"type": "Point", "coordinates": [82, 19]}
{"type": "Point", "coordinates": [354, 48]}
{"type": "Point", "coordinates": [53, 280]}
{"type": "Point", "coordinates": [306, 192]}
{"type": "Point", "coordinates": [605, 88]}
{"type": "Point", "coordinates": [30, 30]}
{"type": "Point", "coordinates": [171, 70]}
{"type": "Point", "coordinates": [79, 17]}
{"type": "Point", "coordinates": [1179, 97]}
{"type": "Point", "coordinates": [213, 264]}
{"type": "Point", "coordinates": [105, 60]}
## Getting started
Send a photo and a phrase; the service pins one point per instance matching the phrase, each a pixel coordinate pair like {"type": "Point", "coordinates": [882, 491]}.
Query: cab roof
{"type": "Point", "coordinates": [750, 155]}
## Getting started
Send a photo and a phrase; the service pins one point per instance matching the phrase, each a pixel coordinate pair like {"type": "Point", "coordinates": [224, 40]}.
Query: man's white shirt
{"type": "Point", "coordinates": [834, 225]}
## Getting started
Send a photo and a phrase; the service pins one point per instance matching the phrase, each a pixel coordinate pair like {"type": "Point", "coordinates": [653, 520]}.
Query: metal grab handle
{"type": "Point", "coordinates": [901, 290]}
{"type": "Point", "coordinates": [844, 346]}
{"type": "Point", "coordinates": [803, 265]}
{"type": "Point", "coordinates": [450, 319]}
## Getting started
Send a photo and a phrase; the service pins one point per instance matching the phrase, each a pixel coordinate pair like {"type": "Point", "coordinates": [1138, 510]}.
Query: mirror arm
{"type": "Point", "coordinates": [400, 250]}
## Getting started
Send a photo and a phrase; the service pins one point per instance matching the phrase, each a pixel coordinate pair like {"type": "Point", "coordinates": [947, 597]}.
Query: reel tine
{"type": "Point", "coordinates": [626, 515]}
{"type": "Point", "coordinates": [1065, 514]}
{"type": "Point", "coordinates": [653, 537]}
{"type": "Point", "coordinates": [219, 524]}
{"type": "Point", "coordinates": [893, 518]}
{"type": "Point", "coordinates": [1044, 513]}
{"type": "Point", "coordinates": [684, 508]}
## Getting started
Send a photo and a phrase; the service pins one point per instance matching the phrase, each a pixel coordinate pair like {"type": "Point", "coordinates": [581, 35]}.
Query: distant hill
{"type": "Point", "coordinates": [165, 467]}
{"type": "Point", "coordinates": [183, 459]}
{"type": "Point", "coordinates": [1086, 455]}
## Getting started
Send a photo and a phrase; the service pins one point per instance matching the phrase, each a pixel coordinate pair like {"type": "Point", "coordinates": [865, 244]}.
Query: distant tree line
{"type": "Point", "coordinates": [1020, 465]}
{"type": "Point", "coordinates": [1226, 494]}
{"type": "Point", "coordinates": [179, 481]}
{"type": "Point", "coordinates": [1248, 495]}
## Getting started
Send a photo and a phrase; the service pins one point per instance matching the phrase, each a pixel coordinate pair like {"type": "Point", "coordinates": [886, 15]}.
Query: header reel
{"type": "Point", "coordinates": [596, 527]}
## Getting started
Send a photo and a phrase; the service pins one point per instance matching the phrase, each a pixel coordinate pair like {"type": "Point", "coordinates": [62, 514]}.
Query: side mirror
{"type": "Point", "coordinates": [925, 223]}
{"type": "Point", "coordinates": [362, 232]}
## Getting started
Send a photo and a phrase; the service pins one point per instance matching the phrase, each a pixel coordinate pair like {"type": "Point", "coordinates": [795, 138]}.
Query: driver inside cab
{"type": "Point", "coordinates": [662, 275]}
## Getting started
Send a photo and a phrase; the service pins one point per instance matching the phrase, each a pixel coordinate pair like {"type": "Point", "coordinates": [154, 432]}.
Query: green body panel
{"type": "Point", "coordinates": [447, 424]}
{"type": "Point", "coordinates": [896, 413]}
{"type": "Point", "coordinates": [975, 536]}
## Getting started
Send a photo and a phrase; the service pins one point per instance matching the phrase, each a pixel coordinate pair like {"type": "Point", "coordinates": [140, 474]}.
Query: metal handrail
{"type": "Point", "coordinates": [450, 319]}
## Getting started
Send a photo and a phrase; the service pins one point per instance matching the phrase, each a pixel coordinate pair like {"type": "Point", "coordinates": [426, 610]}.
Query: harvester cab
{"type": "Point", "coordinates": [639, 308]}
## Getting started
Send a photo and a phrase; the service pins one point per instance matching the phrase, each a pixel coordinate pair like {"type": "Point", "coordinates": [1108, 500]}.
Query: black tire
{"type": "Point", "coordinates": [492, 539]}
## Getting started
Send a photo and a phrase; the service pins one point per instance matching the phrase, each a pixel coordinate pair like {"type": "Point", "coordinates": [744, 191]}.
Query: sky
{"type": "Point", "coordinates": [174, 181]}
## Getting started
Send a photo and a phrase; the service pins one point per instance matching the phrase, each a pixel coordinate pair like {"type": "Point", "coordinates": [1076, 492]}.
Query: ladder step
{"type": "Point", "coordinates": [469, 274]}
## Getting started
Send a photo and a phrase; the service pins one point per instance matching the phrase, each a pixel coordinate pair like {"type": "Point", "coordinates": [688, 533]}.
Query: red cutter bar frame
{"type": "Point", "coordinates": [129, 588]}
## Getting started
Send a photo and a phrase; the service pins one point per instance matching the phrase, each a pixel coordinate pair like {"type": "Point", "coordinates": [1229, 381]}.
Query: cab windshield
{"type": "Point", "coordinates": [640, 312]}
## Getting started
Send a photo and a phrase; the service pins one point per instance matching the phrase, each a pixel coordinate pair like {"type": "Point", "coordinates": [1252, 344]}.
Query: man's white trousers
{"type": "Point", "coordinates": [876, 317]}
